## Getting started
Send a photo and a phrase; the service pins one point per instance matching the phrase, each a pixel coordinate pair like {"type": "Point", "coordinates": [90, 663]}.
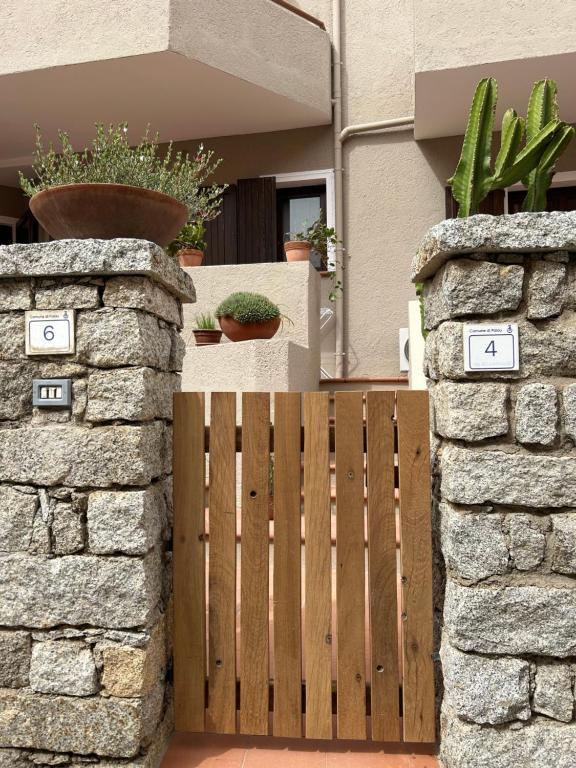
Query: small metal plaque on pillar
{"type": "Point", "coordinates": [50, 332]}
{"type": "Point", "coordinates": [491, 347]}
{"type": "Point", "coordinates": [51, 393]}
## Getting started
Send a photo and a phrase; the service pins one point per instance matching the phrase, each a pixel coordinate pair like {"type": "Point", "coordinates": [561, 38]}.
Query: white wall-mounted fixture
{"type": "Point", "coordinates": [416, 375]}
{"type": "Point", "coordinates": [404, 348]}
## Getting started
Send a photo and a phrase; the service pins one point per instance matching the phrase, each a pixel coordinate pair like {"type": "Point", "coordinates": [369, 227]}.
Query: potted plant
{"type": "Point", "coordinates": [114, 190]}
{"type": "Point", "coordinates": [189, 246]}
{"type": "Point", "coordinates": [244, 316]}
{"type": "Point", "coordinates": [205, 332]}
{"type": "Point", "coordinates": [529, 150]}
{"type": "Point", "coordinates": [317, 237]}
{"type": "Point", "coordinates": [546, 138]}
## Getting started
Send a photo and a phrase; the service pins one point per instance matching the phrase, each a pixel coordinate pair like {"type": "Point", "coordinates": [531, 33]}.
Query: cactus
{"type": "Point", "coordinates": [528, 158]}
{"type": "Point", "coordinates": [546, 139]}
{"type": "Point", "coordinates": [472, 179]}
{"type": "Point", "coordinates": [510, 140]}
{"type": "Point", "coordinates": [542, 108]}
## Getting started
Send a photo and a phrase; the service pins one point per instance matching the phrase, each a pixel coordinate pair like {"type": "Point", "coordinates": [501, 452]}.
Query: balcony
{"type": "Point", "coordinates": [457, 45]}
{"type": "Point", "coordinates": [189, 68]}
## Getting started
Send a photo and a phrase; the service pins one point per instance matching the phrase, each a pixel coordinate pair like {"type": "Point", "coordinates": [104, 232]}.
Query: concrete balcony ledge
{"type": "Point", "coordinates": [189, 68]}
{"type": "Point", "coordinates": [262, 365]}
{"type": "Point", "coordinates": [517, 43]}
{"type": "Point", "coordinates": [288, 362]}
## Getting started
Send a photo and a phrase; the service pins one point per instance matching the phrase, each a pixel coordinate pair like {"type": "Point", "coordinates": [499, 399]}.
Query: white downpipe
{"type": "Point", "coordinates": [340, 137]}
{"type": "Point", "coordinates": [340, 367]}
{"type": "Point", "coordinates": [379, 125]}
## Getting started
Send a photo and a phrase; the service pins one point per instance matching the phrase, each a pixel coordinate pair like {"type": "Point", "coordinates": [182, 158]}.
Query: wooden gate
{"type": "Point", "coordinates": [282, 625]}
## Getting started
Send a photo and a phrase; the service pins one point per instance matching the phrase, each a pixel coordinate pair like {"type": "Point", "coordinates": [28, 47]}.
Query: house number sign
{"type": "Point", "coordinates": [50, 332]}
{"type": "Point", "coordinates": [491, 347]}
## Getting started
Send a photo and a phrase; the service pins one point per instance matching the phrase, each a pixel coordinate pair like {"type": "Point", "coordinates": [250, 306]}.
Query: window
{"type": "Point", "coordinates": [298, 207]}
{"type": "Point", "coordinates": [559, 199]}
{"type": "Point", "coordinates": [7, 230]}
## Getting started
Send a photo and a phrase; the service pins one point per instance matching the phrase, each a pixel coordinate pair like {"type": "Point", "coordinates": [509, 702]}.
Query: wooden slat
{"type": "Point", "coordinates": [382, 569]}
{"type": "Point", "coordinates": [221, 715]}
{"type": "Point", "coordinates": [416, 556]}
{"type": "Point", "coordinates": [318, 557]}
{"type": "Point", "coordinates": [350, 566]}
{"type": "Point", "coordinates": [254, 570]}
{"type": "Point", "coordinates": [287, 567]}
{"type": "Point", "coordinates": [189, 562]}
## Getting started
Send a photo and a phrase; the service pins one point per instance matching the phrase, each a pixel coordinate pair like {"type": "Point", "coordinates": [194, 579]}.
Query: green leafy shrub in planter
{"type": "Point", "coordinates": [190, 236]}
{"type": "Point", "coordinates": [246, 307]}
{"type": "Point", "coordinates": [111, 160]}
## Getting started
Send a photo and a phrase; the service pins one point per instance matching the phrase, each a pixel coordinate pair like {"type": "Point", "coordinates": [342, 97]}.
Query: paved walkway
{"type": "Point", "coordinates": [201, 751]}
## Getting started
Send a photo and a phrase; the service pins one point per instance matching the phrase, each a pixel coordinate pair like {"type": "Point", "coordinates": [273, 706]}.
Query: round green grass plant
{"type": "Point", "coordinates": [246, 307]}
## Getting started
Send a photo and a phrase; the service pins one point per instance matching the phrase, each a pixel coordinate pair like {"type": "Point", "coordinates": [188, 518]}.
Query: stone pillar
{"type": "Point", "coordinates": [85, 506]}
{"type": "Point", "coordinates": [505, 488]}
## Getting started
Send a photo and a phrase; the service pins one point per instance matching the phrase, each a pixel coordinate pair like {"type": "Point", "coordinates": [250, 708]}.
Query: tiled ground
{"type": "Point", "coordinates": [200, 751]}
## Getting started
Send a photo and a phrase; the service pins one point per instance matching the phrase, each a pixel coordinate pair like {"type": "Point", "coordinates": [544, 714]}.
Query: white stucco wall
{"type": "Point", "coordinates": [48, 33]}
{"type": "Point", "coordinates": [262, 43]}
{"type": "Point", "coordinates": [289, 361]}
{"type": "Point", "coordinates": [469, 32]}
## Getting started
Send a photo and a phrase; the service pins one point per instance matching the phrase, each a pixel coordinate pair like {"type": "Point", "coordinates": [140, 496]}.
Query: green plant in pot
{"type": "Point", "coordinates": [112, 189]}
{"type": "Point", "coordinates": [317, 237]}
{"type": "Point", "coordinates": [189, 246]}
{"type": "Point", "coordinates": [244, 316]}
{"type": "Point", "coordinates": [205, 331]}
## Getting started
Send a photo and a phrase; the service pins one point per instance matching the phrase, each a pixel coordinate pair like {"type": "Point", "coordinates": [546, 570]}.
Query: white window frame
{"type": "Point", "coordinates": [9, 221]}
{"type": "Point", "coordinates": [304, 178]}
{"type": "Point", "coordinates": [562, 179]}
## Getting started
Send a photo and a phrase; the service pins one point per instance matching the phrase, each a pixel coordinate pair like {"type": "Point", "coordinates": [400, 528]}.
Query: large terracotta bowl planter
{"type": "Point", "coordinates": [107, 211]}
{"type": "Point", "coordinates": [236, 331]}
{"type": "Point", "coordinates": [297, 250]}
{"type": "Point", "coordinates": [190, 257]}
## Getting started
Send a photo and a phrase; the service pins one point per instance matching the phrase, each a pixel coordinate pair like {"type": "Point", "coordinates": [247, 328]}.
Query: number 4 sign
{"type": "Point", "coordinates": [50, 332]}
{"type": "Point", "coordinates": [491, 347]}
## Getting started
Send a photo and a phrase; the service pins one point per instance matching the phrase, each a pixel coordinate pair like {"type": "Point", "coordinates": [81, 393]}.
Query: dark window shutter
{"type": "Point", "coordinates": [493, 203]}
{"type": "Point", "coordinates": [221, 233]}
{"type": "Point", "coordinates": [257, 233]}
{"type": "Point", "coordinates": [27, 229]}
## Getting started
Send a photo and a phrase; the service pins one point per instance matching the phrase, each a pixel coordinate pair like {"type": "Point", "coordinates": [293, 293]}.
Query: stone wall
{"type": "Point", "coordinates": [505, 489]}
{"type": "Point", "coordinates": [85, 506]}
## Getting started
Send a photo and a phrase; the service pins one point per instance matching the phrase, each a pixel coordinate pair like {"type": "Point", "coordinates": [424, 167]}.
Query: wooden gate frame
{"type": "Point", "coordinates": [375, 427]}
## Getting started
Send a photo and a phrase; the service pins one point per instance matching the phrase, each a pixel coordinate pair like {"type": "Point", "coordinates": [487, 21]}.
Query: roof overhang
{"type": "Point", "coordinates": [190, 69]}
{"type": "Point", "coordinates": [443, 96]}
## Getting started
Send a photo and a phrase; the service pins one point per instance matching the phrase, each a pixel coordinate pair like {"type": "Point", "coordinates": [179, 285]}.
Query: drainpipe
{"type": "Point", "coordinates": [341, 366]}
{"type": "Point", "coordinates": [340, 137]}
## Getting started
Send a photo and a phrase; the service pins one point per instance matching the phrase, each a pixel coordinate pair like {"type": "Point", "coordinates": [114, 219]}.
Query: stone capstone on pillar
{"type": "Point", "coordinates": [85, 506]}
{"type": "Point", "coordinates": [505, 487]}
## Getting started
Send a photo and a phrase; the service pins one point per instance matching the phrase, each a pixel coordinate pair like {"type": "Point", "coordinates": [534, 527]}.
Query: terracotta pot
{"type": "Point", "coordinates": [190, 257]}
{"type": "Point", "coordinates": [204, 336]}
{"type": "Point", "coordinates": [107, 211]}
{"type": "Point", "coordinates": [236, 331]}
{"type": "Point", "coordinates": [297, 250]}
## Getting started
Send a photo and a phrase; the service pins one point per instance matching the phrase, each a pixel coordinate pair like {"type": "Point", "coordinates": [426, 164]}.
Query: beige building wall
{"type": "Point", "coordinates": [516, 29]}
{"type": "Point", "coordinates": [394, 187]}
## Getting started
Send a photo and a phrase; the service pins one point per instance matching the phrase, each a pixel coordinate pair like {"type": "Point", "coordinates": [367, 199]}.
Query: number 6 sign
{"type": "Point", "coordinates": [50, 332]}
{"type": "Point", "coordinates": [491, 347]}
